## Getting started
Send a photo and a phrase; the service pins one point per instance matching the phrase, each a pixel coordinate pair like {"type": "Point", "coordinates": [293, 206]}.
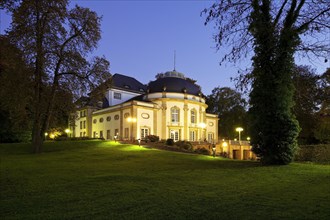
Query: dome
{"type": "Point", "coordinates": [173, 81]}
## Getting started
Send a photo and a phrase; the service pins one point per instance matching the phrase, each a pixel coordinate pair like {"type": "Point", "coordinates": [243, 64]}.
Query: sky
{"type": "Point", "coordinates": [139, 39]}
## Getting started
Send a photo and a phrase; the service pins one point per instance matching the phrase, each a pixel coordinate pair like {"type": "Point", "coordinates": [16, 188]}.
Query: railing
{"type": "Point", "coordinates": [175, 124]}
{"type": "Point", "coordinates": [239, 142]}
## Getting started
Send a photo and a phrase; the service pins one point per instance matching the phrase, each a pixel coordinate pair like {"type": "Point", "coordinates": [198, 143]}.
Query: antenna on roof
{"type": "Point", "coordinates": [174, 59]}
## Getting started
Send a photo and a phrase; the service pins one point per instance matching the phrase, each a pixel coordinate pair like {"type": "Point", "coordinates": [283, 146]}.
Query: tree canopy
{"type": "Point", "coordinates": [56, 42]}
{"type": "Point", "coordinates": [230, 107]}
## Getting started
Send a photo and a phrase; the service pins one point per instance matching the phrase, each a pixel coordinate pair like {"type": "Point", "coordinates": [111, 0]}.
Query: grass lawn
{"type": "Point", "coordinates": [107, 180]}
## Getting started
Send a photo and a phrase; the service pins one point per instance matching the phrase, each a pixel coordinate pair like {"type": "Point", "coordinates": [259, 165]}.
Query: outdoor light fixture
{"type": "Point", "coordinates": [202, 125]}
{"type": "Point", "coordinates": [239, 130]}
{"type": "Point", "coordinates": [139, 140]}
{"type": "Point", "coordinates": [130, 119]}
{"type": "Point", "coordinates": [67, 130]}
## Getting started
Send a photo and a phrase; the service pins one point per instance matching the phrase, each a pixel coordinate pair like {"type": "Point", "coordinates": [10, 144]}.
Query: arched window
{"type": "Point", "coordinates": [193, 116]}
{"type": "Point", "coordinates": [175, 111]}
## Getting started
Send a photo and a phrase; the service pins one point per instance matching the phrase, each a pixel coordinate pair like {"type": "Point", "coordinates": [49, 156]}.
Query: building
{"type": "Point", "coordinates": [172, 106]}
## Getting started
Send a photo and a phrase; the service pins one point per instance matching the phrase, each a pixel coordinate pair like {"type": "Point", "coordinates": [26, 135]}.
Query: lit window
{"type": "Point", "coordinates": [192, 135]}
{"type": "Point", "coordinates": [175, 115]}
{"type": "Point", "coordinates": [117, 95]}
{"type": "Point", "coordinates": [144, 132]}
{"type": "Point", "coordinates": [193, 117]}
{"type": "Point", "coordinates": [174, 135]}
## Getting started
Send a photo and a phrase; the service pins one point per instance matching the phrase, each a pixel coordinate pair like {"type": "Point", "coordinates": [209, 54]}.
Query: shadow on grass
{"type": "Point", "coordinates": [47, 147]}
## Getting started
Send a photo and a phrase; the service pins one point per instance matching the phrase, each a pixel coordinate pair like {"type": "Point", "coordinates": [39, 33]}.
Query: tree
{"type": "Point", "coordinates": [275, 31]}
{"type": "Point", "coordinates": [322, 131]}
{"type": "Point", "coordinates": [230, 107]}
{"type": "Point", "coordinates": [56, 41]}
{"type": "Point", "coordinates": [15, 93]}
{"type": "Point", "coordinates": [307, 98]}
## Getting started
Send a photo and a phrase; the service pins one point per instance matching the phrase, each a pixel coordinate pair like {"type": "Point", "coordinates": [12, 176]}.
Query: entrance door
{"type": "Point", "coordinates": [236, 154]}
{"type": "Point", "coordinates": [246, 155]}
{"type": "Point", "coordinates": [174, 135]}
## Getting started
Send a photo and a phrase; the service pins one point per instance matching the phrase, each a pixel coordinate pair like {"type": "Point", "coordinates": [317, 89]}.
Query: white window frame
{"type": "Point", "coordinates": [175, 115]}
{"type": "Point", "coordinates": [117, 95]}
{"type": "Point", "coordinates": [174, 134]}
{"type": "Point", "coordinates": [144, 132]}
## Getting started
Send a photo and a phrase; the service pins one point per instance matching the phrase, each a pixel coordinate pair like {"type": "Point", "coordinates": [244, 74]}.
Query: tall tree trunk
{"type": "Point", "coordinates": [37, 133]}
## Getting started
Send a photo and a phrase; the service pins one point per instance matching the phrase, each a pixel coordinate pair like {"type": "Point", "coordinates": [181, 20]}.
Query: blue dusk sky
{"type": "Point", "coordinates": [139, 39]}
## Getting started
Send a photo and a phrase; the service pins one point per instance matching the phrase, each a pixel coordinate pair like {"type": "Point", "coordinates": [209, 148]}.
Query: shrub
{"type": "Point", "coordinates": [314, 153]}
{"type": "Point", "coordinates": [153, 138]}
{"type": "Point", "coordinates": [169, 142]}
{"type": "Point", "coordinates": [184, 145]}
{"type": "Point", "coordinates": [202, 151]}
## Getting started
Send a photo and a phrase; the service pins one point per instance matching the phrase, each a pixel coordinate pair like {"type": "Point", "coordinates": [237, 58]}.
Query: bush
{"type": "Point", "coordinates": [314, 153]}
{"type": "Point", "coordinates": [169, 142]}
{"type": "Point", "coordinates": [202, 151]}
{"type": "Point", "coordinates": [153, 138]}
{"type": "Point", "coordinates": [184, 145]}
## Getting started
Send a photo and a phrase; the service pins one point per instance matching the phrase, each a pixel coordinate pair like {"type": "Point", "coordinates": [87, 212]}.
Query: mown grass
{"type": "Point", "coordinates": [106, 180]}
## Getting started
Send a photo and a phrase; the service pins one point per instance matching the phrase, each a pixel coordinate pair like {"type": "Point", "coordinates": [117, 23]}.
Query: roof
{"type": "Point", "coordinates": [177, 83]}
{"type": "Point", "coordinates": [127, 83]}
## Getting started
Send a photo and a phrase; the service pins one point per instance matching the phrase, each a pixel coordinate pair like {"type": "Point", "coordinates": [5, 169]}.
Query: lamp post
{"type": "Point", "coordinates": [239, 130]}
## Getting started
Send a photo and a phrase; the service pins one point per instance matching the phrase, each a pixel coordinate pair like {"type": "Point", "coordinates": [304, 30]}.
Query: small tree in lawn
{"type": "Point", "coordinates": [56, 41]}
{"type": "Point", "coordinates": [274, 31]}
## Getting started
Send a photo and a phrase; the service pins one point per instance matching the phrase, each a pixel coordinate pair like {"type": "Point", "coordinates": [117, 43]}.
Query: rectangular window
{"type": "Point", "coordinates": [192, 136]}
{"type": "Point", "coordinates": [84, 134]}
{"type": "Point", "coordinates": [116, 133]}
{"type": "Point", "coordinates": [108, 134]}
{"type": "Point", "coordinates": [81, 114]}
{"type": "Point", "coordinates": [81, 125]}
{"type": "Point", "coordinates": [126, 133]}
{"type": "Point", "coordinates": [116, 95]}
{"type": "Point", "coordinates": [94, 134]}
{"type": "Point", "coordinates": [144, 132]}
{"type": "Point", "coordinates": [193, 117]}
{"type": "Point", "coordinates": [84, 124]}
{"type": "Point", "coordinates": [101, 134]}
{"type": "Point", "coordinates": [175, 115]}
{"type": "Point", "coordinates": [210, 137]}
{"type": "Point", "coordinates": [80, 134]}
{"type": "Point", "coordinates": [174, 135]}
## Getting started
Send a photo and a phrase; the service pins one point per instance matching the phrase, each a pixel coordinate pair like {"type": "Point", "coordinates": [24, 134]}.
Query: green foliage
{"type": "Point", "coordinates": [185, 145]}
{"type": "Point", "coordinates": [314, 153]}
{"type": "Point", "coordinates": [229, 105]}
{"type": "Point", "coordinates": [169, 142]}
{"type": "Point", "coordinates": [307, 98]}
